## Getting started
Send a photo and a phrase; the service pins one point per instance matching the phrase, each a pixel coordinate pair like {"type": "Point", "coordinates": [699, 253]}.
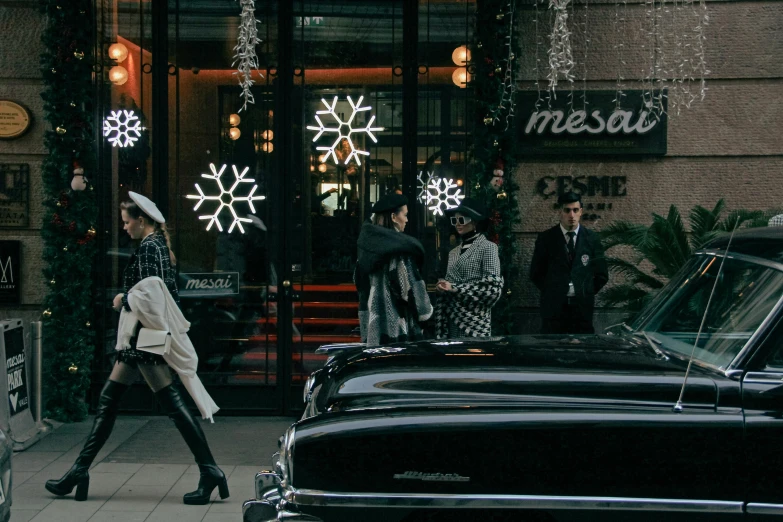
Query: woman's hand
{"type": "Point", "coordinates": [444, 286]}
{"type": "Point", "coordinates": [117, 303]}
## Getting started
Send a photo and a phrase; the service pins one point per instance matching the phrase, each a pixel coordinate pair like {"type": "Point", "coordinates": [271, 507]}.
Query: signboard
{"type": "Point", "coordinates": [16, 371]}
{"type": "Point", "coordinates": [14, 195]}
{"type": "Point", "coordinates": [209, 284]}
{"type": "Point", "coordinates": [14, 120]}
{"type": "Point", "coordinates": [598, 127]}
{"type": "Point", "coordinates": [310, 21]}
{"type": "Point", "coordinates": [10, 272]}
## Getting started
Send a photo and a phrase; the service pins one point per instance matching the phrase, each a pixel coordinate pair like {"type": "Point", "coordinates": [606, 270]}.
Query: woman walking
{"type": "Point", "coordinates": [473, 281]}
{"type": "Point", "coordinates": [149, 283]}
{"type": "Point", "coordinates": [392, 295]}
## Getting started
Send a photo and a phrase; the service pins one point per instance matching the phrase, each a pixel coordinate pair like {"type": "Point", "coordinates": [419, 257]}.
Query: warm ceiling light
{"type": "Point", "coordinates": [118, 75]}
{"type": "Point", "coordinates": [460, 77]}
{"type": "Point", "coordinates": [234, 133]}
{"type": "Point", "coordinates": [234, 119]}
{"type": "Point", "coordinates": [118, 51]}
{"type": "Point", "coordinates": [322, 167]}
{"type": "Point", "coordinates": [267, 147]}
{"type": "Point", "coordinates": [461, 55]}
{"type": "Point", "coordinates": [268, 135]}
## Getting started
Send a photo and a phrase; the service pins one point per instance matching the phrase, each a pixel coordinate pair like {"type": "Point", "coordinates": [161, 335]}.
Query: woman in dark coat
{"type": "Point", "coordinates": [473, 282]}
{"type": "Point", "coordinates": [393, 297]}
{"type": "Point", "coordinates": [143, 221]}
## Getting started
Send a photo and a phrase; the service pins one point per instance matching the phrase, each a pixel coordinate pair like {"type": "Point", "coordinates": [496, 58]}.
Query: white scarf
{"type": "Point", "coordinates": [152, 305]}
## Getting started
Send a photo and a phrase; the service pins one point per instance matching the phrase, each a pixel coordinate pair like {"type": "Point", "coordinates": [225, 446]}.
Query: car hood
{"type": "Point", "coordinates": [515, 371]}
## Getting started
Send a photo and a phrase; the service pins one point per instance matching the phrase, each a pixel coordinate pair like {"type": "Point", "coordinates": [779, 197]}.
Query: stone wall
{"type": "Point", "coordinates": [21, 26]}
{"type": "Point", "coordinates": [728, 146]}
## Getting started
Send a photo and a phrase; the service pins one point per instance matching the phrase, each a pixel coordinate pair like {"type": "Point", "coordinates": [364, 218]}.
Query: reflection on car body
{"type": "Point", "coordinates": [557, 427]}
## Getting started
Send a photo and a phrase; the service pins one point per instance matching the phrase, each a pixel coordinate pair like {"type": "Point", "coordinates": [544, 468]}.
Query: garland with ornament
{"type": "Point", "coordinates": [70, 205]}
{"type": "Point", "coordinates": [493, 70]}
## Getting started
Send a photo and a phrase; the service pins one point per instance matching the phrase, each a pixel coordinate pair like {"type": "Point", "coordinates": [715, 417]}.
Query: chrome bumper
{"type": "Point", "coordinates": [269, 506]}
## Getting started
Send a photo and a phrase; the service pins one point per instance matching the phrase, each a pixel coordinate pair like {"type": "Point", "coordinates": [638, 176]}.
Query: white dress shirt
{"type": "Point", "coordinates": [571, 292]}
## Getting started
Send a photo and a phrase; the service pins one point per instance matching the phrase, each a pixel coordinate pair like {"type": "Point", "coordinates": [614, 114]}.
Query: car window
{"type": "Point", "coordinates": [744, 296]}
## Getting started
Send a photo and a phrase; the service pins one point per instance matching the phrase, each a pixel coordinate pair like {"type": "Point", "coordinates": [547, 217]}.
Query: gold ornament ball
{"type": "Point", "coordinates": [52, 281]}
{"type": "Point", "coordinates": [508, 292]}
{"type": "Point", "coordinates": [59, 204]}
{"type": "Point", "coordinates": [500, 16]}
{"type": "Point", "coordinates": [488, 121]}
{"type": "Point", "coordinates": [478, 186]}
{"type": "Point", "coordinates": [479, 45]}
{"type": "Point", "coordinates": [78, 55]}
{"type": "Point", "coordinates": [54, 71]}
{"type": "Point", "coordinates": [498, 69]}
{"type": "Point", "coordinates": [502, 194]}
{"type": "Point", "coordinates": [73, 368]}
{"type": "Point", "coordinates": [65, 249]}
{"type": "Point", "coordinates": [91, 232]}
{"type": "Point", "coordinates": [495, 143]}
{"type": "Point", "coordinates": [72, 104]}
{"type": "Point", "coordinates": [512, 56]}
{"type": "Point", "coordinates": [59, 7]}
{"type": "Point", "coordinates": [87, 324]}
{"type": "Point", "coordinates": [60, 130]}
{"type": "Point", "coordinates": [47, 313]}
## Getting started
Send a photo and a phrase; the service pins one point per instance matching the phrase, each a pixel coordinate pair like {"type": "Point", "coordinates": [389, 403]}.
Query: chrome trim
{"type": "Point", "coordinates": [754, 339]}
{"type": "Point", "coordinates": [329, 348]}
{"type": "Point", "coordinates": [309, 497]}
{"type": "Point", "coordinates": [742, 257]}
{"type": "Point", "coordinates": [764, 378]}
{"type": "Point", "coordinates": [258, 511]}
{"type": "Point", "coordinates": [265, 481]}
{"type": "Point", "coordinates": [754, 508]}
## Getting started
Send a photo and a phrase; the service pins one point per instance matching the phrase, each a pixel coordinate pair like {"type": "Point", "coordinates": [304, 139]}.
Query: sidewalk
{"type": "Point", "coordinates": [143, 471]}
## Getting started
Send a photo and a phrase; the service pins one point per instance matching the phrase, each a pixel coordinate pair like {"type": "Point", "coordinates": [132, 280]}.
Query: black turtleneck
{"type": "Point", "coordinates": [467, 240]}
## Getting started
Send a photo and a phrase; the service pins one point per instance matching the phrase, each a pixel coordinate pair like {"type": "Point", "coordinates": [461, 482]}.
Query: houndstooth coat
{"type": "Point", "coordinates": [476, 278]}
{"type": "Point", "coordinates": [392, 294]}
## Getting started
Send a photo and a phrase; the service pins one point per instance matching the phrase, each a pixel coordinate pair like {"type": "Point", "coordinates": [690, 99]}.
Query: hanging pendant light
{"type": "Point", "coordinates": [461, 55]}
{"type": "Point", "coordinates": [460, 77]}
{"type": "Point", "coordinates": [118, 52]}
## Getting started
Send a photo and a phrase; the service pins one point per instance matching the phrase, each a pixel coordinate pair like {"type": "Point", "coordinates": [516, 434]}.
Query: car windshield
{"type": "Point", "coordinates": [745, 295]}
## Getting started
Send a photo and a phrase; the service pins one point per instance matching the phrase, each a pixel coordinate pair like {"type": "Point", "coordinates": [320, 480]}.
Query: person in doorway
{"type": "Point", "coordinates": [568, 268]}
{"type": "Point", "coordinates": [151, 269]}
{"type": "Point", "coordinates": [473, 282]}
{"type": "Point", "coordinates": [393, 297]}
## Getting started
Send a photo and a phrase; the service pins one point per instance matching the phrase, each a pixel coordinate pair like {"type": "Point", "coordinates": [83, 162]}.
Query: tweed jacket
{"type": "Point", "coordinates": [151, 259]}
{"type": "Point", "coordinates": [551, 271]}
{"type": "Point", "coordinates": [476, 278]}
{"type": "Point", "coordinates": [393, 296]}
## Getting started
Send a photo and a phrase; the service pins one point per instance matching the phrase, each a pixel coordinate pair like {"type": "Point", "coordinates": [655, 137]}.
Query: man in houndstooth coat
{"type": "Point", "coordinates": [473, 282]}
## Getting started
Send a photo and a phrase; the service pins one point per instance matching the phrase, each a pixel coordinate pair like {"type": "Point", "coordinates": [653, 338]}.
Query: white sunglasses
{"type": "Point", "coordinates": [462, 220]}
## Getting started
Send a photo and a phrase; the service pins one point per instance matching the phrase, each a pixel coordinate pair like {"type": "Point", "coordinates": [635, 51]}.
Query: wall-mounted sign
{"type": "Point", "coordinates": [568, 125]}
{"type": "Point", "coordinates": [10, 272]}
{"type": "Point", "coordinates": [14, 120]}
{"type": "Point", "coordinates": [208, 284]}
{"type": "Point", "coordinates": [592, 189]}
{"type": "Point", "coordinates": [14, 195]}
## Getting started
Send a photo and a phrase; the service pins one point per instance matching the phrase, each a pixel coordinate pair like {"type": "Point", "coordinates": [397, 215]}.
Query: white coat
{"type": "Point", "coordinates": [152, 305]}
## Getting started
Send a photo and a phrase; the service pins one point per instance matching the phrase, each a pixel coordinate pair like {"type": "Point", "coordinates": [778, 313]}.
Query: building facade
{"type": "Point", "coordinates": [275, 282]}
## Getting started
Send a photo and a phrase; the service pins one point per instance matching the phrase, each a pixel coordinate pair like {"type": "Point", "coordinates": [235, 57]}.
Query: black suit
{"type": "Point", "coordinates": [551, 271]}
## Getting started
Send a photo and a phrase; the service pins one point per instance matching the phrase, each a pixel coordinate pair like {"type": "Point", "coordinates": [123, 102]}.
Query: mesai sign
{"type": "Point", "coordinates": [208, 284]}
{"type": "Point", "coordinates": [597, 127]}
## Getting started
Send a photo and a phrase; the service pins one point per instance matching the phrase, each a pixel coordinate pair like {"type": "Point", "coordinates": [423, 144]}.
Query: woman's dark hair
{"type": "Point", "coordinates": [135, 212]}
{"type": "Point", "coordinates": [384, 219]}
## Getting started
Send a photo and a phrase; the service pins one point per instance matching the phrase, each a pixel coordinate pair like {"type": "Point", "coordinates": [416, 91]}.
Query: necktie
{"type": "Point", "coordinates": [571, 246]}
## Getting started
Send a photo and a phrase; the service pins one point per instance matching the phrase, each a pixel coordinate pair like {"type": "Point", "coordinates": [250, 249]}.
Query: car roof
{"type": "Point", "coordinates": [764, 242]}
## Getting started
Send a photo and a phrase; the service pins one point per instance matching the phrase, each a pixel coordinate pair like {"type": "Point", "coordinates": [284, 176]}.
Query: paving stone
{"type": "Point", "coordinates": [157, 474]}
{"type": "Point", "coordinates": [20, 477]}
{"type": "Point", "coordinates": [33, 460]}
{"type": "Point", "coordinates": [136, 498]}
{"type": "Point", "coordinates": [119, 516]}
{"type": "Point", "coordinates": [23, 515]}
{"type": "Point", "coordinates": [67, 510]}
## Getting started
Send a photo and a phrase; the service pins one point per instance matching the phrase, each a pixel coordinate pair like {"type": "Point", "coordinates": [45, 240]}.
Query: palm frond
{"type": "Point", "coordinates": [627, 297]}
{"type": "Point", "coordinates": [704, 222]}
{"type": "Point", "coordinates": [667, 246]}
{"type": "Point", "coordinates": [742, 218]}
{"type": "Point", "coordinates": [623, 233]}
{"type": "Point", "coordinates": [632, 273]}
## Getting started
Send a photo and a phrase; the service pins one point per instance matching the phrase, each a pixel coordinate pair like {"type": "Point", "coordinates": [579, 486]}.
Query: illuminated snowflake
{"type": "Point", "coordinates": [343, 130]}
{"type": "Point", "coordinates": [423, 184]}
{"type": "Point", "coordinates": [443, 194]}
{"type": "Point", "coordinates": [226, 198]}
{"type": "Point", "coordinates": [119, 126]}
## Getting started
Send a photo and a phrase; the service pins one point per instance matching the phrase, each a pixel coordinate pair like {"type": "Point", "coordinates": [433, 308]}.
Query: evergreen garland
{"type": "Point", "coordinates": [494, 140]}
{"type": "Point", "coordinates": [69, 216]}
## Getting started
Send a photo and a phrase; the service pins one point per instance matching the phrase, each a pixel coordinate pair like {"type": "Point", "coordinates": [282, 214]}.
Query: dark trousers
{"type": "Point", "coordinates": [571, 320]}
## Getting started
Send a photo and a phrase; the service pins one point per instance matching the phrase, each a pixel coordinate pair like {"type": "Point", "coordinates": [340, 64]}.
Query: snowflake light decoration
{"type": "Point", "coordinates": [344, 129]}
{"type": "Point", "coordinates": [443, 194]}
{"type": "Point", "coordinates": [119, 126]}
{"type": "Point", "coordinates": [226, 198]}
{"type": "Point", "coordinates": [423, 184]}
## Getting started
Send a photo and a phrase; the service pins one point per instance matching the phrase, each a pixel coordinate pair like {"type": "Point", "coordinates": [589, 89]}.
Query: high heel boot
{"type": "Point", "coordinates": [211, 475]}
{"type": "Point", "coordinates": [105, 415]}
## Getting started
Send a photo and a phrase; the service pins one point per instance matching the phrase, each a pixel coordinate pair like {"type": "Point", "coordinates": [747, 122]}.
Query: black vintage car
{"type": "Point", "coordinates": [677, 415]}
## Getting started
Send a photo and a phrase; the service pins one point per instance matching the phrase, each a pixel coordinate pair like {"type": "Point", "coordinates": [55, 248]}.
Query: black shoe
{"type": "Point", "coordinates": [77, 477]}
{"type": "Point", "coordinates": [105, 415]}
{"type": "Point", "coordinates": [211, 477]}
{"type": "Point", "coordinates": [189, 428]}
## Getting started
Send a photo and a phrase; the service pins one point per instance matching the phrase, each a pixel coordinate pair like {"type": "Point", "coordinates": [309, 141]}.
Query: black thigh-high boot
{"type": "Point", "coordinates": [105, 416]}
{"type": "Point", "coordinates": [211, 476]}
